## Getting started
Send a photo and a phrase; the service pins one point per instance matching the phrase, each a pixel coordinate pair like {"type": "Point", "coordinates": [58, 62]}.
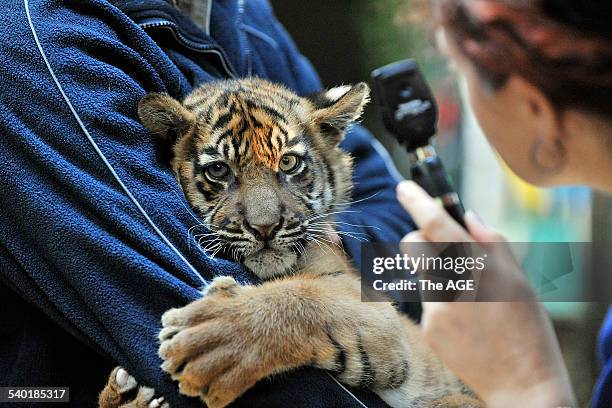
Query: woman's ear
{"type": "Point", "coordinates": [535, 108]}
{"type": "Point", "coordinates": [338, 108]}
{"type": "Point", "coordinates": [165, 116]}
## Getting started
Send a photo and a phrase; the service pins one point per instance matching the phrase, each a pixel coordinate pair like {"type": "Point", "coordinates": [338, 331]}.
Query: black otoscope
{"type": "Point", "coordinates": [411, 115]}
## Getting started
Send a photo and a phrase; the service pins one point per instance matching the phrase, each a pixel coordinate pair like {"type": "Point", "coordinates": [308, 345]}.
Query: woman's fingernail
{"type": "Point", "coordinates": [472, 216]}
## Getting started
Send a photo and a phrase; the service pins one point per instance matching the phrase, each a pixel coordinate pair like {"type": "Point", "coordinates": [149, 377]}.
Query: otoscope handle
{"type": "Point", "coordinates": [432, 177]}
{"type": "Point", "coordinates": [457, 212]}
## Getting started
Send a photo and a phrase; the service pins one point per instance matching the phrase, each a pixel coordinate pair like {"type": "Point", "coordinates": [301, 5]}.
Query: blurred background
{"type": "Point", "coordinates": [346, 39]}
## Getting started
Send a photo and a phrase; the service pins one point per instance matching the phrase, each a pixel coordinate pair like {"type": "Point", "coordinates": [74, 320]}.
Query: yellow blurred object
{"type": "Point", "coordinates": [533, 199]}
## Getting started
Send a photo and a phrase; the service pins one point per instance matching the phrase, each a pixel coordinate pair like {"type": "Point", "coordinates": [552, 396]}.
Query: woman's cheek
{"type": "Point", "coordinates": [504, 130]}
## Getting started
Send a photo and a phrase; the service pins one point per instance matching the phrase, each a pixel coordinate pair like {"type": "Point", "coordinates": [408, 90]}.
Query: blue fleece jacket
{"type": "Point", "coordinates": [92, 253]}
{"type": "Point", "coordinates": [602, 397]}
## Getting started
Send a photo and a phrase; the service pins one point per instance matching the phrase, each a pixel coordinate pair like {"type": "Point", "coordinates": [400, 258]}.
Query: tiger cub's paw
{"type": "Point", "coordinates": [123, 391]}
{"type": "Point", "coordinates": [221, 284]}
{"type": "Point", "coordinates": [214, 346]}
{"type": "Point", "coordinates": [174, 320]}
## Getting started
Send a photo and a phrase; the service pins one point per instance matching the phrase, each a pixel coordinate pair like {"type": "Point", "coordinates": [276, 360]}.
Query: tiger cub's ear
{"type": "Point", "coordinates": [338, 108]}
{"type": "Point", "coordinates": [165, 116]}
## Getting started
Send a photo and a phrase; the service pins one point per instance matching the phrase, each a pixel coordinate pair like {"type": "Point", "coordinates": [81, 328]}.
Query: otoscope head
{"type": "Point", "coordinates": [408, 106]}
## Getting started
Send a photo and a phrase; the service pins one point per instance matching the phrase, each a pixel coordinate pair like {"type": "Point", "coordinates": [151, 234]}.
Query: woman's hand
{"type": "Point", "coordinates": [506, 352]}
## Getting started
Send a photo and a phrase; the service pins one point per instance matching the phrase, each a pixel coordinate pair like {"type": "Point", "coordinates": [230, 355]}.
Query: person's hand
{"type": "Point", "coordinates": [506, 352]}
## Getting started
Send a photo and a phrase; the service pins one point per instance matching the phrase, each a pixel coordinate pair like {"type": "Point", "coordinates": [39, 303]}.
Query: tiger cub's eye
{"type": "Point", "coordinates": [290, 163]}
{"type": "Point", "coordinates": [217, 171]}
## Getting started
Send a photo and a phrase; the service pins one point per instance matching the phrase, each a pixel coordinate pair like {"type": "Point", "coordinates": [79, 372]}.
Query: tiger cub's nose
{"type": "Point", "coordinates": [265, 231]}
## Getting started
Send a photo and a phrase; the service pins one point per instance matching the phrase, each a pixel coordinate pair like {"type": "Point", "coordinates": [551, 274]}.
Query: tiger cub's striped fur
{"type": "Point", "coordinates": [256, 167]}
{"type": "Point", "coordinates": [263, 169]}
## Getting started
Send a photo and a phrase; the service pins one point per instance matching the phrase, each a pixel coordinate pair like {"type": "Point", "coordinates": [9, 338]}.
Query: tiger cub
{"type": "Point", "coordinates": [263, 169]}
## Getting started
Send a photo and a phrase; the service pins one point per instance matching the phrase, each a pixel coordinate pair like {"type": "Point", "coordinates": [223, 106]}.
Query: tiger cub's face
{"type": "Point", "coordinates": [259, 164]}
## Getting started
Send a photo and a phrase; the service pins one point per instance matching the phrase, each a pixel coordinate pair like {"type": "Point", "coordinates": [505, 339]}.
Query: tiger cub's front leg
{"type": "Point", "coordinates": [221, 345]}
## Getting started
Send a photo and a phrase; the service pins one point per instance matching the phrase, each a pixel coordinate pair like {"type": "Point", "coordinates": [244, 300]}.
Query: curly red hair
{"type": "Point", "coordinates": [568, 59]}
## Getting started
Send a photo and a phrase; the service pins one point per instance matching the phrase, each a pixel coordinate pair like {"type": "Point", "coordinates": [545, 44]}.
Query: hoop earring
{"type": "Point", "coordinates": [547, 161]}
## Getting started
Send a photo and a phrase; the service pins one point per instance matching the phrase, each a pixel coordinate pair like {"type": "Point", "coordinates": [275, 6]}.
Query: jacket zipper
{"type": "Point", "coordinates": [191, 44]}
